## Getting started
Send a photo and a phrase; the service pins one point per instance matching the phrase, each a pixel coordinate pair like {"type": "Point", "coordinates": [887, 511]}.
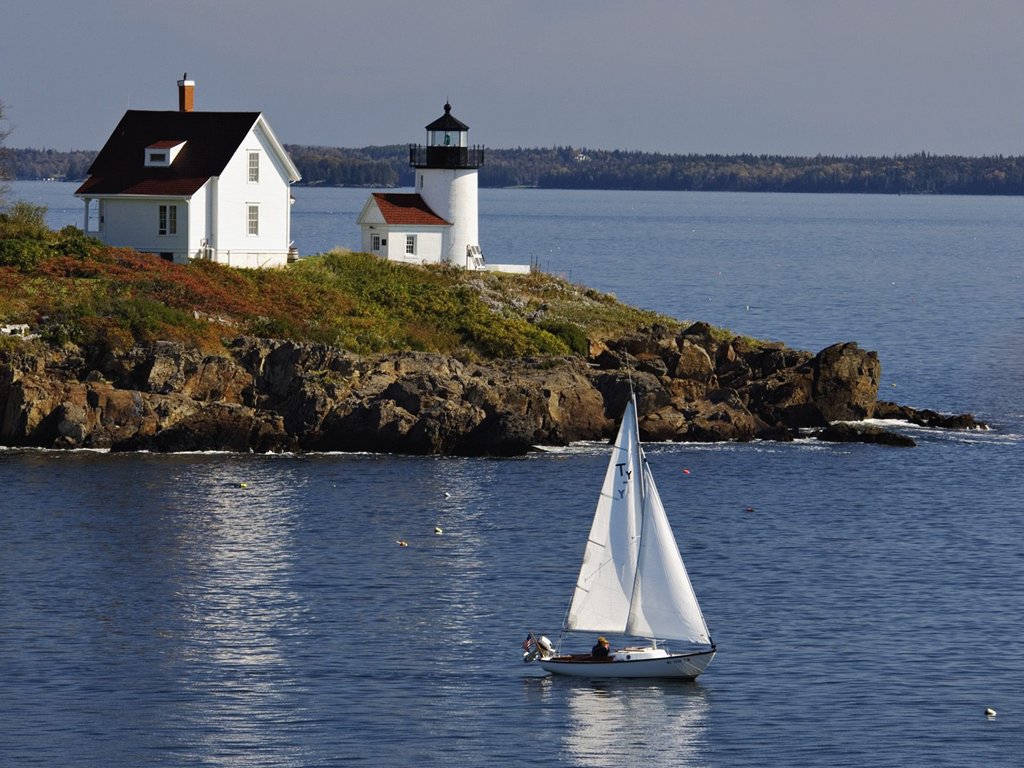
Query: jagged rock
{"type": "Point", "coordinates": [723, 421]}
{"type": "Point", "coordinates": [215, 426]}
{"type": "Point", "coordinates": [694, 364]}
{"type": "Point", "coordinates": [851, 433]}
{"type": "Point", "coordinates": [701, 334]}
{"type": "Point", "coordinates": [845, 384]}
{"type": "Point", "coordinates": [927, 418]}
{"type": "Point", "coordinates": [266, 394]}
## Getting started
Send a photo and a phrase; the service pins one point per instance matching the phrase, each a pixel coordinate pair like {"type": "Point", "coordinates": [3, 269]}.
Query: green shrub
{"type": "Point", "coordinates": [22, 253]}
{"type": "Point", "coordinates": [71, 241]}
{"type": "Point", "coordinates": [145, 318]}
{"type": "Point", "coordinates": [59, 330]}
{"type": "Point", "coordinates": [574, 337]}
{"type": "Point", "coordinates": [24, 220]}
{"type": "Point", "coordinates": [271, 328]}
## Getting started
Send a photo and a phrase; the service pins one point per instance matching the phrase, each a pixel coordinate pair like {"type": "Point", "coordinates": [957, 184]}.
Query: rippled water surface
{"type": "Point", "coordinates": [257, 610]}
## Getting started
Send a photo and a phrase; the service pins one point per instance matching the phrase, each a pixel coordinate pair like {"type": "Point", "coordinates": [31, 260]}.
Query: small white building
{"type": "Point", "coordinates": [193, 185]}
{"type": "Point", "coordinates": [402, 227]}
{"type": "Point", "coordinates": [436, 224]}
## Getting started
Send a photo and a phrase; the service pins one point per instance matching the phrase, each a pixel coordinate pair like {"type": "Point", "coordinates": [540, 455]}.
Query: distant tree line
{"type": "Point", "coordinates": [366, 167]}
{"type": "Point", "coordinates": [48, 164]}
{"type": "Point", "coordinates": [575, 168]}
{"type": "Point", "coordinates": [920, 173]}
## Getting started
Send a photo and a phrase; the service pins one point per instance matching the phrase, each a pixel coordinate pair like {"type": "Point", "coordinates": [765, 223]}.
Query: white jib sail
{"type": "Point", "coordinates": [600, 602]}
{"type": "Point", "coordinates": [663, 603]}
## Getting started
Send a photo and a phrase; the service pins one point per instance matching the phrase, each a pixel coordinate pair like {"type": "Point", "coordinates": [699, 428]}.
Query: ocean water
{"type": "Point", "coordinates": [247, 610]}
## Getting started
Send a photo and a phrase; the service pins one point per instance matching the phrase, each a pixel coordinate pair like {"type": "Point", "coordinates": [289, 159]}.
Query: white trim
{"type": "Point", "coordinates": [289, 166]}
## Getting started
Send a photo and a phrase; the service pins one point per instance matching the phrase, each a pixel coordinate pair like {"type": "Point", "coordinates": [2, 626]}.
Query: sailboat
{"type": "Point", "coordinates": [632, 582]}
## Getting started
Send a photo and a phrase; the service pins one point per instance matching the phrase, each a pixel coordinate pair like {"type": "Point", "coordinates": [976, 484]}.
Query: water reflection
{"type": "Point", "coordinates": [237, 608]}
{"type": "Point", "coordinates": [626, 722]}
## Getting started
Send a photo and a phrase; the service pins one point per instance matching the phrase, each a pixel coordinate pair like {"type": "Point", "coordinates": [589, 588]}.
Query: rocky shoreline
{"type": "Point", "coordinates": [277, 395]}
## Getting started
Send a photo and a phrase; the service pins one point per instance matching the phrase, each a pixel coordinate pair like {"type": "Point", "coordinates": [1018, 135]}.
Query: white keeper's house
{"type": "Point", "coordinates": [437, 223]}
{"type": "Point", "coordinates": [193, 185]}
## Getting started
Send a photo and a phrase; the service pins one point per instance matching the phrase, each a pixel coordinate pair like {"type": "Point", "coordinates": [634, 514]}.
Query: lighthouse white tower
{"type": "Point", "coordinates": [446, 179]}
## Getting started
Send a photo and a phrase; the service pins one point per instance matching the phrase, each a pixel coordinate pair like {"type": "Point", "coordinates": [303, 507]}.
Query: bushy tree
{"type": "Point", "coordinates": [4, 131]}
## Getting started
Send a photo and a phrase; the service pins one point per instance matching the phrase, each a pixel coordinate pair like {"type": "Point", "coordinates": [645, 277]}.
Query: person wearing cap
{"type": "Point", "coordinates": [601, 649]}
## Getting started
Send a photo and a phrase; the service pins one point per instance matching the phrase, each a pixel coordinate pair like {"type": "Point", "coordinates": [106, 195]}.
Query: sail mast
{"type": "Point", "coordinates": [641, 486]}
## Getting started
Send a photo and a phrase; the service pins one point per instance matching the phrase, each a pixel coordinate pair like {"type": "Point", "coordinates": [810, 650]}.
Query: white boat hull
{"type": "Point", "coordinates": [681, 666]}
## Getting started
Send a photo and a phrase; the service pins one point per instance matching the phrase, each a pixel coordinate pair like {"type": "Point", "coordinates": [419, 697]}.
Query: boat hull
{"type": "Point", "coordinates": [679, 666]}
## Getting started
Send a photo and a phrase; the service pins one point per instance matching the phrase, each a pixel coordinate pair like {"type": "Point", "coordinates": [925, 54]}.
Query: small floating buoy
{"type": "Point", "coordinates": [437, 530]}
{"type": "Point", "coordinates": [402, 543]}
{"type": "Point", "coordinates": [990, 713]}
{"type": "Point", "coordinates": [750, 509]}
{"type": "Point", "coordinates": [243, 485]}
{"type": "Point", "coordinates": [686, 471]}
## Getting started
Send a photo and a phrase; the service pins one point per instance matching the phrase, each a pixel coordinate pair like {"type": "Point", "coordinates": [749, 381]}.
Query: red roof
{"type": "Point", "coordinates": [211, 139]}
{"type": "Point", "coordinates": [406, 208]}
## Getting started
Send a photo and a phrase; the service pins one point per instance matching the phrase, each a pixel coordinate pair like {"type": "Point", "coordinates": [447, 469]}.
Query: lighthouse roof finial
{"type": "Point", "coordinates": [447, 122]}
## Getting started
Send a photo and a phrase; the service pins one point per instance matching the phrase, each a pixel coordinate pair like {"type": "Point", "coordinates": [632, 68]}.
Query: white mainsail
{"type": "Point", "coordinates": [604, 587]}
{"type": "Point", "coordinates": [633, 580]}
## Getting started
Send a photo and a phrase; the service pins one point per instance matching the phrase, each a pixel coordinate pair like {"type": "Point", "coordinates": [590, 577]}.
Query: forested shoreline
{"type": "Point", "coordinates": [579, 168]}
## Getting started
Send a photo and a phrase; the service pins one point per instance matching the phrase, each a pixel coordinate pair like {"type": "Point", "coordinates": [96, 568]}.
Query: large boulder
{"type": "Point", "coordinates": [845, 382]}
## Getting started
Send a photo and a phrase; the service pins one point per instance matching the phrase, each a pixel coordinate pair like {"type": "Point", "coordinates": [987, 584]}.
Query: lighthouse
{"type": "Point", "coordinates": [446, 179]}
{"type": "Point", "coordinates": [437, 223]}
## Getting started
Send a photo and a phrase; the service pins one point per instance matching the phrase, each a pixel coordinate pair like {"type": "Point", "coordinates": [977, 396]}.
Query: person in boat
{"type": "Point", "coordinates": [601, 649]}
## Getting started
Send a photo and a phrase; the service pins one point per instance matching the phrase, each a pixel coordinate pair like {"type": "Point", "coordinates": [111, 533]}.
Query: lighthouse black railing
{"type": "Point", "coordinates": [445, 157]}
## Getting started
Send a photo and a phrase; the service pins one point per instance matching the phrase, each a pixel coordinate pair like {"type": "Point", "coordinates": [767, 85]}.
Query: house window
{"type": "Point", "coordinates": [254, 219]}
{"type": "Point", "coordinates": [420, 181]}
{"type": "Point", "coordinates": [157, 158]}
{"type": "Point", "coordinates": [375, 243]}
{"type": "Point", "coordinates": [254, 167]}
{"type": "Point", "coordinates": [410, 244]}
{"type": "Point", "coordinates": [168, 220]}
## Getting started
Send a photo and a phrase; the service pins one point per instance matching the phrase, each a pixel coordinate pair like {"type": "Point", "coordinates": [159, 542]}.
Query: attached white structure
{"type": "Point", "coordinates": [401, 227]}
{"type": "Point", "coordinates": [436, 224]}
{"type": "Point", "coordinates": [193, 185]}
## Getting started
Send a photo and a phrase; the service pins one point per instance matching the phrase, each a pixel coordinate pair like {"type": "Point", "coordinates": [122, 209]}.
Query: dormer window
{"type": "Point", "coordinates": [162, 153]}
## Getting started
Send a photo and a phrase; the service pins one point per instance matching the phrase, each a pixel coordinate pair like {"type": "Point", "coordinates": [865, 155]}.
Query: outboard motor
{"type": "Point", "coordinates": [534, 647]}
{"type": "Point", "coordinates": [547, 650]}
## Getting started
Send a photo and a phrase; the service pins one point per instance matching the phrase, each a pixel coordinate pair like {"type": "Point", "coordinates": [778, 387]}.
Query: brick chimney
{"type": "Point", "coordinates": [186, 94]}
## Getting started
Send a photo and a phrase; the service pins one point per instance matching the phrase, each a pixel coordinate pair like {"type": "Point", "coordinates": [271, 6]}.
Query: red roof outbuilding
{"type": "Point", "coordinates": [406, 208]}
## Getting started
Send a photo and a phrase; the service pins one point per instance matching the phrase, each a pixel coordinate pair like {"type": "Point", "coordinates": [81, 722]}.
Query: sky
{"type": "Point", "coordinates": [792, 77]}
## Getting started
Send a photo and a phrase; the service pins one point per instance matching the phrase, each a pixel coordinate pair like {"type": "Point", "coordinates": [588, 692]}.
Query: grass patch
{"type": "Point", "coordinates": [71, 288]}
